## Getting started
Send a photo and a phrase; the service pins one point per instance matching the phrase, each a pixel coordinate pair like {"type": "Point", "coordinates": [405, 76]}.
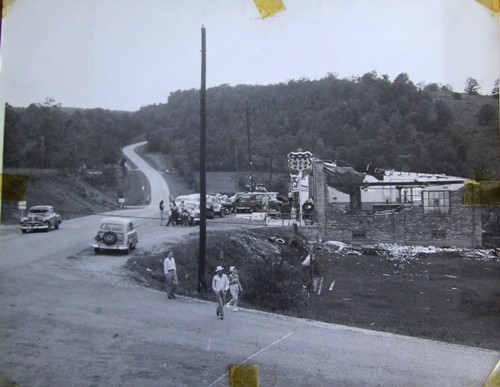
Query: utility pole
{"type": "Point", "coordinates": [236, 156]}
{"type": "Point", "coordinates": [202, 286]}
{"type": "Point", "coordinates": [250, 153]}
{"type": "Point", "coordinates": [271, 171]}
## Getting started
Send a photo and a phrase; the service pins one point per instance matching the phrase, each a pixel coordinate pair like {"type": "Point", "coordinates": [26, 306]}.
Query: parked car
{"type": "Point", "coordinates": [253, 202]}
{"type": "Point", "coordinates": [193, 208]}
{"type": "Point", "coordinates": [210, 210]}
{"type": "Point", "coordinates": [219, 208]}
{"type": "Point", "coordinates": [115, 233]}
{"type": "Point", "coordinates": [234, 199]}
{"type": "Point", "coordinates": [40, 218]}
{"type": "Point", "coordinates": [227, 206]}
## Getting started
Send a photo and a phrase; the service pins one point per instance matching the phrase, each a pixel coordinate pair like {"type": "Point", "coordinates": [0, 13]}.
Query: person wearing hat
{"type": "Point", "coordinates": [234, 287]}
{"type": "Point", "coordinates": [220, 285]}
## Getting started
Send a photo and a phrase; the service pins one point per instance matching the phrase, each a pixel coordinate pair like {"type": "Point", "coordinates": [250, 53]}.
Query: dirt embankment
{"type": "Point", "coordinates": [442, 296]}
{"type": "Point", "coordinates": [70, 196]}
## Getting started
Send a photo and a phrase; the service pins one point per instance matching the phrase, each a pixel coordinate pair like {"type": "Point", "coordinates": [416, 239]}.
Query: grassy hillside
{"type": "Point", "coordinates": [73, 197]}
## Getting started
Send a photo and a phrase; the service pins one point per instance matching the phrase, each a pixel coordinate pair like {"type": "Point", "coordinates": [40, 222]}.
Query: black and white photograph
{"type": "Point", "coordinates": [250, 193]}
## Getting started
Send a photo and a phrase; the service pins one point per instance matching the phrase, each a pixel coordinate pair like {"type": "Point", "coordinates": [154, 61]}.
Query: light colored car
{"type": "Point", "coordinates": [115, 234]}
{"type": "Point", "coordinates": [40, 218]}
{"type": "Point", "coordinates": [193, 208]}
{"type": "Point", "coordinates": [213, 205]}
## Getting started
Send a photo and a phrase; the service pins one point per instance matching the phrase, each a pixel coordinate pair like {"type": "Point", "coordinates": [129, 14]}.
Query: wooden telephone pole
{"type": "Point", "coordinates": [202, 286]}
{"type": "Point", "coordinates": [250, 154]}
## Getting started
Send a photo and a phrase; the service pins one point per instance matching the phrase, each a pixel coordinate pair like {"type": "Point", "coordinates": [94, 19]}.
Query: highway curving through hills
{"type": "Point", "coordinates": [69, 317]}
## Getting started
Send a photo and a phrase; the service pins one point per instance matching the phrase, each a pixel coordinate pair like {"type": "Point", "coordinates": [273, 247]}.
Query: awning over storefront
{"type": "Point", "coordinates": [345, 179]}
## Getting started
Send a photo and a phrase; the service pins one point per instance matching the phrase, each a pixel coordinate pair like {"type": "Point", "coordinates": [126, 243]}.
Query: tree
{"type": "Point", "coordinates": [444, 116]}
{"type": "Point", "coordinates": [472, 86]}
{"type": "Point", "coordinates": [485, 114]}
{"type": "Point", "coordinates": [494, 91]}
{"type": "Point", "coordinates": [447, 88]}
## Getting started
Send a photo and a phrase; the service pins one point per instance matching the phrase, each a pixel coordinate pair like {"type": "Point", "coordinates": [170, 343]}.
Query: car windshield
{"type": "Point", "coordinates": [39, 210]}
{"type": "Point", "coordinates": [111, 227]}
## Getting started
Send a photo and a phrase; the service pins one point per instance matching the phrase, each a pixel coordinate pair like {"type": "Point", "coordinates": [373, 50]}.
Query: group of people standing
{"type": "Point", "coordinates": [177, 215]}
{"type": "Point", "coordinates": [221, 283]}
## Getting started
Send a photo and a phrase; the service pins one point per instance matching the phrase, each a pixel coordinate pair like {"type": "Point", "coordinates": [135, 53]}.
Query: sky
{"type": "Point", "coordinates": [124, 54]}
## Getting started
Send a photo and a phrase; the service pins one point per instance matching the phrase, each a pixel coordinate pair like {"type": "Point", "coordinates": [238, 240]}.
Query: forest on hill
{"type": "Point", "coordinates": [357, 121]}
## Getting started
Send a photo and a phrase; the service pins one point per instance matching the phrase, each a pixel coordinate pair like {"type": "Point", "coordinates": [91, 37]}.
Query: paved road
{"type": "Point", "coordinates": [69, 317]}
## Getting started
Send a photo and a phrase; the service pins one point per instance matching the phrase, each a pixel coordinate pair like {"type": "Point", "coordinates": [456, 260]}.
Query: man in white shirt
{"type": "Point", "coordinates": [170, 274]}
{"type": "Point", "coordinates": [220, 285]}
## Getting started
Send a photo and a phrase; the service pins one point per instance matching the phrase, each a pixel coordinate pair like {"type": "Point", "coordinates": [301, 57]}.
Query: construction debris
{"type": "Point", "coordinates": [405, 254]}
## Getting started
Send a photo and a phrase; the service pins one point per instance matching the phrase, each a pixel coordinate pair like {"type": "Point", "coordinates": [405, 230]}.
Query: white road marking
{"type": "Point", "coordinates": [255, 354]}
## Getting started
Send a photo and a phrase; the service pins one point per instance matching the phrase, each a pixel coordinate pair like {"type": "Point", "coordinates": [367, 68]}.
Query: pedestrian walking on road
{"type": "Point", "coordinates": [220, 285]}
{"type": "Point", "coordinates": [161, 213]}
{"type": "Point", "coordinates": [234, 287]}
{"type": "Point", "coordinates": [170, 274]}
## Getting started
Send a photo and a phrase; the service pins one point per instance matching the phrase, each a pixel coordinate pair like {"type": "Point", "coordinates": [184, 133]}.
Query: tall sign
{"type": "Point", "coordinates": [298, 161]}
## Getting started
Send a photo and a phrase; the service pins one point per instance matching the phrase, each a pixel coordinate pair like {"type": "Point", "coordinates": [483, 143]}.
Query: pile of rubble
{"type": "Point", "coordinates": [404, 253]}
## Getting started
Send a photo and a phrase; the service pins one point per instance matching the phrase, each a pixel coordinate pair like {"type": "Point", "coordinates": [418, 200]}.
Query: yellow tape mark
{"type": "Point", "coordinates": [246, 375]}
{"type": "Point", "coordinates": [269, 7]}
{"type": "Point", "coordinates": [482, 193]}
{"type": "Point", "coordinates": [492, 5]}
{"type": "Point", "coordinates": [13, 187]}
{"type": "Point", "coordinates": [7, 6]}
{"type": "Point", "coordinates": [494, 379]}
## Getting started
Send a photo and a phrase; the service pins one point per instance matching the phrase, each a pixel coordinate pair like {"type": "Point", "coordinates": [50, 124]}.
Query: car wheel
{"type": "Point", "coordinates": [109, 238]}
{"type": "Point", "coordinates": [48, 227]}
{"type": "Point", "coordinates": [56, 226]}
{"type": "Point", "coordinates": [221, 213]}
{"type": "Point", "coordinates": [97, 250]}
{"type": "Point", "coordinates": [23, 231]}
{"type": "Point", "coordinates": [129, 248]}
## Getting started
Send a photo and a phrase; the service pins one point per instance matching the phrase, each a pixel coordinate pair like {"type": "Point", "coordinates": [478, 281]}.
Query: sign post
{"type": "Point", "coordinates": [22, 206]}
{"type": "Point", "coordinates": [121, 201]}
{"type": "Point", "coordinates": [299, 161]}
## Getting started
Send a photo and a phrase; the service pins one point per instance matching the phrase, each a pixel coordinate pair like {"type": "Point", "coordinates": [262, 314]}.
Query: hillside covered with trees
{"type": "Point", "coordinates": [360, 121]}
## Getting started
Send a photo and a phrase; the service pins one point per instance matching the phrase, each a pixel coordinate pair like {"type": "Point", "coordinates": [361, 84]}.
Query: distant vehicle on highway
{"type": "Point", "coordinates": [115, 233]}
{"type": "Point", "coordinates": [40, 218]}
{"type": "Point", "coordinates": [259, 187]}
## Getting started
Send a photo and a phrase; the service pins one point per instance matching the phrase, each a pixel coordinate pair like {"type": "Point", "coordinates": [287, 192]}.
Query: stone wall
{"type": "Point", "coordinates": [461, 227]}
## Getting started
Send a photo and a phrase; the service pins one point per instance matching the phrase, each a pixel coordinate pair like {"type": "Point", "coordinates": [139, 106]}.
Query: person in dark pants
{"type": "Point", "coordinates": [220, 285]}
{"type": "Point", "coordinates": [174, 215]}
{"type": "Point", "coordinates": [170, 274]}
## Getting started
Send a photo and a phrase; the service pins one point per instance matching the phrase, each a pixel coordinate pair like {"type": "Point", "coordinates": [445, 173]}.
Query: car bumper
{"type": "Point", "coordinates": [107, 247]}
{"type": "Point", "coordinates": [34, 226]}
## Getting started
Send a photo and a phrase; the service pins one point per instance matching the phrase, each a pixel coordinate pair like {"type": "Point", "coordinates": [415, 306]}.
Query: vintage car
{"type": "Point", "coordinates": [212, 207]}
{"type": "Point", "coordinates": [40, 218]}
{"type": "Point", "coordinates": [193, 210]}
{"type": "Point", "coordinates": [254, 202]}
{"type": "Point", "coordinates": [115, 233]}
